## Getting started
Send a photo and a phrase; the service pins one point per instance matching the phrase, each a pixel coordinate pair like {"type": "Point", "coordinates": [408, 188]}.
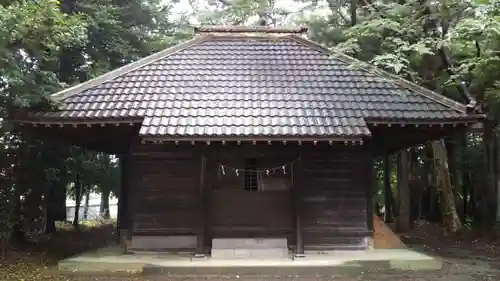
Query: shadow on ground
{"type": "Point", "coordinates": [29, 260]}
{"type": "Point", "coordinates": [467, 244]}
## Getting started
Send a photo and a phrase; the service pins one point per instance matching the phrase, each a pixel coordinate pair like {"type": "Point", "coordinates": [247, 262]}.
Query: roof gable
{"type": "Point", "coordinates": [241, 86]}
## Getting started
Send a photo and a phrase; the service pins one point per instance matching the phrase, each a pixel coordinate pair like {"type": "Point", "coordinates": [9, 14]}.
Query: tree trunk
{"type": "Point", "coordinates": [353, 11]}
{"type": "Point", "coordinates": [416, 186]}
{"type": "Point", "coordinates": [465, 178]}
{"type": "Point", "coordinates": [78, 199]}
{"type": "Point", "coordinates": [488, 194]}
{"type": "Point", "coordinates": [104, 207]}
{"type": "Point", "coordinates": [86, 208]}
{"type": "Point", "coordinates": [18, 235]}
{"type": "Point", "coordinates": [263, 11]}
{"type": "Point", "coordinates": [433, 207]}
{"type": "Point", "coordinates": [446, 195]}
{"type": "Point", "coordinates": [403, 222]}
{"type": "Point", "coordinates": [50, 208]}
{"type": "Point", "coordinates": [497, 180]}
{"type": "Point", "coordinates": [60, 208]}
{"type": "Point", "coordinates": [450, 146]}
{"type": "Point", "coordinates": [60, 196]}
{"type": "Point", "coordinates": [21, 183]}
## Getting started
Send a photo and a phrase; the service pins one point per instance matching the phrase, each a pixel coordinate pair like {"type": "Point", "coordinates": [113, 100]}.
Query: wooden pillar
{"type": "Point", "coordinates": [371, 180]}
{"type": "Point", "coordinates": [202, 211]}
{"type": "Point", "coordinates": [387, 189]}
{"type": "Point", "coordinates": [123, 220]}
{"type": "Point", "coordinates": [297, 182]}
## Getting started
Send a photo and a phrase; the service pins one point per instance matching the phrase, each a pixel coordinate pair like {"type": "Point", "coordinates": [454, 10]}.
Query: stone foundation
{"type": "Point", "coordinates": [158, 243]}
{"type": "Point", "coordinates": [253, 248]}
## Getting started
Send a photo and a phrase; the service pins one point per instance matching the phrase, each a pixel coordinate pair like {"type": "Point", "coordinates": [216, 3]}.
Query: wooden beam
{"type": "Point", "coordinates": [476, 128]}
{"type": "Point", "coordinates": [202, 215]}
{"type": "Point", "coordinates": [393, 139]}
{"type": "Point", "coordinates": [215, 150]}
{"type": "Point", "coordinates": [109, 139]}
{"type": "Point", "coordinates": [297, 185]}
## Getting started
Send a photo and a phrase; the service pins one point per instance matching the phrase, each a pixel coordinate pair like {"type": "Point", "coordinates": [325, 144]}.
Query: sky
{"type": "Point", "coordinates": [183, 7]}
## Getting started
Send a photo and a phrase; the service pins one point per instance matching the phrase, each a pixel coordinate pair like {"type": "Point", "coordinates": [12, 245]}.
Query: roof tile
{"type": "Point", "coordinates": [240, 86]}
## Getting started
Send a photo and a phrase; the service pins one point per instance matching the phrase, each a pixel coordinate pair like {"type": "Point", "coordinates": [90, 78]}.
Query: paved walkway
{"type": "Point", "coordinates": [453, 270]}
{"type": "Point", "coordinates": [110, 259]}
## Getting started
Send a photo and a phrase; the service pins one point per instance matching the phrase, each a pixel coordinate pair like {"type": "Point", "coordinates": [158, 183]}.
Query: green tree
{"type": "Point", "coordinates": [31, 36]}
{"type": "Point", "coordinates": [447, 46]}
{"type": "Point", "coordinates": [46, 45]}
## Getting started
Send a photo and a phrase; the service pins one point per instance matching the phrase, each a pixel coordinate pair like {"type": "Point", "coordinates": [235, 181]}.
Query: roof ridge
{"type": "Point", "coordinates": [248, 29]}
{"type": "Point", "coordinates": [103, 78]}
{"type": "Point", "coordinates": [434, 96]}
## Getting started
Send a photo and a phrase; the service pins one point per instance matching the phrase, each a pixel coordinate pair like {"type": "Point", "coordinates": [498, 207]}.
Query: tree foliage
{"type": "Point", "coordinates": [46, 45]}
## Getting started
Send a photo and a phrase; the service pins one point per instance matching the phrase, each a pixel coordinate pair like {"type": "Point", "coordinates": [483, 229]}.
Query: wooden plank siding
{"type": "Point", "coordinates": [250, 214]}
{"type": "Point", "coordinates": [236, 212]}
{"type": "Point", "coordinates": [167, 194]}
{"type": "Point", "coordinates": [334, 198]}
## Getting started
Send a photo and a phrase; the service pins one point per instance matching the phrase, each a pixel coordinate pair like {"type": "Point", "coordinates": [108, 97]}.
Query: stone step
{"type": "Point", "coordinates": [333, 247]}
{"type": "Point", "coordinates": [333, 272]}
{"type": "Point", "coordinates": [362, 245]}
{"type": "Point", "coordinates": [249, 243]}
{"type": "Point", "coordinates": [269, 253]}
{"type": "Point", "coordinates": [155, 243]}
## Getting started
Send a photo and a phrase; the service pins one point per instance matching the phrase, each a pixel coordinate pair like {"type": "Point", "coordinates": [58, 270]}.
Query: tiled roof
{"type": "Point", "coordinates": [260, 86]}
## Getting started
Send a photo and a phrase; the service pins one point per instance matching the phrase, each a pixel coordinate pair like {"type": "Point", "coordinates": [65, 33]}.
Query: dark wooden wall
{"type": "Point", "coordinates": [235, 212]}
{"type": "Point", "coordinates": [166, 193]}
{"type": "Point", "coordinates": [334, 198]}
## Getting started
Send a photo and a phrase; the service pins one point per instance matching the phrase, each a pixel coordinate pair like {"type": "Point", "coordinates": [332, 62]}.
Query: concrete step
{"type": "Point", "coordinates": [245, 253]}
{"type": "Point", "coordinates": [259, 272]}
{"type": "Point", "coordinates": [249, 243]}
{"type": "Point", "coordinates": [333, 247]}
{"type": "Point", "coordinates": [152, 243]}
{"type": "Point", "coordinates": [309, 269]}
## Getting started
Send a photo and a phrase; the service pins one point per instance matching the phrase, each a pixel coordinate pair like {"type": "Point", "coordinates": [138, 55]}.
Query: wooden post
{"type": "Point", "coordinates": [371, 176]}
{"type": "Point", "coordinates": [387, 189]}
{"type": "Point", "coordinates": [123, 204]}
{"type": "Point", "coordinates": [297, 182]}
{"type": "Point", "coordinates": [202, 225]}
